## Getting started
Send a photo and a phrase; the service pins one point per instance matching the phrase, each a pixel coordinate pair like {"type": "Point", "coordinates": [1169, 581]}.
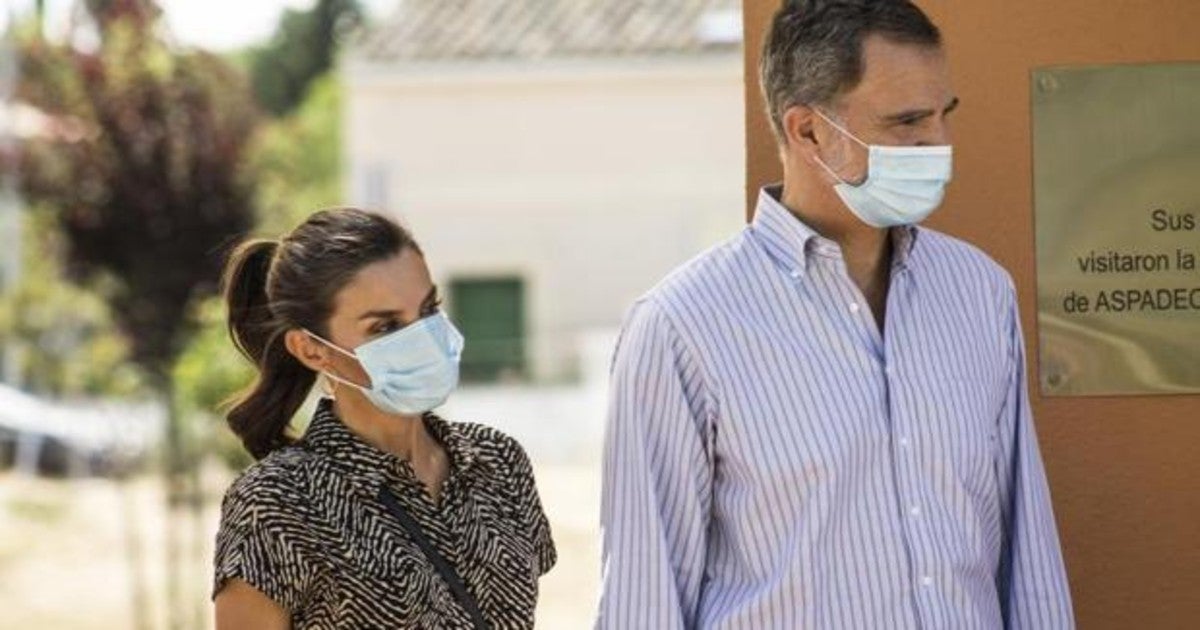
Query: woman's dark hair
{"type": "Point", "coordinates": [273, 286]}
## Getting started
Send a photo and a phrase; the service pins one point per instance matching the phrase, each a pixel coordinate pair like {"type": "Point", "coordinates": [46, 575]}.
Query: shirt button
{"type": "Point", "coordinates": [854, 307]}
{"type": "Point", "coordinates": [915, 510]}
{"type": "Point", "coordinates": [795, 274]}
{"type": "Point", "coordinates": [889, 370]}
{"type": "Point", "coordinates": [927, 580]}
{"type": "Point", "coordinates": [904, 442]}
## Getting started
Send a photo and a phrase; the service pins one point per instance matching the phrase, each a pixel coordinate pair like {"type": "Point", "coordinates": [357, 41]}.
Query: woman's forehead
{"type": "Point", "coordinates": [398, 283]}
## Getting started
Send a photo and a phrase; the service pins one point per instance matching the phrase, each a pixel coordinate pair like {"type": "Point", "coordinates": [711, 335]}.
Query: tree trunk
{"type": "Point", "coordinates": [134, 555]}
{"type": "Point", "coordinates": [196, 505]}
{"type": "Point", "coordinates": [174, 467]}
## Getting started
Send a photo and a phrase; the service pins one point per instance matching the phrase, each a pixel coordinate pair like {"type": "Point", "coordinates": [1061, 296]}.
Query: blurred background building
{"type": "Point", "coordinates": [554, 158]}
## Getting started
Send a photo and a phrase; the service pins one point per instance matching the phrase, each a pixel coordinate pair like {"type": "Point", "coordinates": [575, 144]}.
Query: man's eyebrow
{"type": "Point", "coordinates": [918, 114]}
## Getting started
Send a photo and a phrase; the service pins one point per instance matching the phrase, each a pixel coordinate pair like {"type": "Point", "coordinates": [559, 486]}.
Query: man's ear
{"type": "Point", "coordinates": [312, 353]}
{"type": "Point", "coordinates": [798, 127]}
{"type": "Point", "coordinates": [800, 134]}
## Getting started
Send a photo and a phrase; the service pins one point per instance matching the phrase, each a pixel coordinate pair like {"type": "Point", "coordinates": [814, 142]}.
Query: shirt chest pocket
{"type": "Point", "coordinates": [959, 430]}
{"type": "Point", "coordinates": [496, 537]}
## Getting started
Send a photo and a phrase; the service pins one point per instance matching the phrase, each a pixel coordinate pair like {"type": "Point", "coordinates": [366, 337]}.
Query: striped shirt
{"type": "Point", "coordinates": [772, 460]}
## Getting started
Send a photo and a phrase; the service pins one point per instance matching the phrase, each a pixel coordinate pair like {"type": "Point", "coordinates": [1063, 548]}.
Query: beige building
{"type": "Point", "coordinates": [554, 162]}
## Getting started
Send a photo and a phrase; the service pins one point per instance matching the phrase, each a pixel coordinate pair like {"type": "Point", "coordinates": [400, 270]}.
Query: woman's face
{"type": "Point", "coordinates": [381, 298]}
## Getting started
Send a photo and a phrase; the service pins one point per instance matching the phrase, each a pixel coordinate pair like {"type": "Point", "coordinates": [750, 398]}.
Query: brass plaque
{"type": "Point", "coordinates": [1117, 203]}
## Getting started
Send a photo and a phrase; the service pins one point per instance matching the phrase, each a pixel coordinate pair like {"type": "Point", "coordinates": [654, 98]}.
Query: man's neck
{"type": "Point", "coordinates": [866, 250]}
{"type": "Point", "coordinates": [864, 247]}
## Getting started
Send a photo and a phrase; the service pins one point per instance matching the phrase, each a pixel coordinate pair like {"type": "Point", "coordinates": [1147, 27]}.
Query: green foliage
{"type": "Point", "coordinates": [297, 160]}
{"type": "Point", "coordinates": [210, 370]}
{"type": "Point", "coordinates": [304, 47]}
{"type": "Point", "coordinates": [155, 173]}
{"type": "Point", "coordinates": [144, 171]}
{"type": "Point", "coordinates": [206, 375]}
{"type": "Point", "coordinates": [66, 343]}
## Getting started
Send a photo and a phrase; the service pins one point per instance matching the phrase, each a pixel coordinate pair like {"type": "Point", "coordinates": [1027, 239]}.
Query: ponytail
{"type": "Point", "coordinates": [260, 415]}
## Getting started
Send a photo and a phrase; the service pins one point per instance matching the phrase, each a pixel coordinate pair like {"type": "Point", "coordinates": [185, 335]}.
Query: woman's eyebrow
{"type": "Point", "coordinates": [380, 314]}
{"type": "Point", "coordinates": [430, 298]}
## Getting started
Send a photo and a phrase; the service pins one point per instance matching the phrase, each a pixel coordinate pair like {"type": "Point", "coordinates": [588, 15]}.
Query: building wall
{"type": "Point", "coordinates": [1124, 471]}
{"type": "Point", "coordinates": [589, 180]}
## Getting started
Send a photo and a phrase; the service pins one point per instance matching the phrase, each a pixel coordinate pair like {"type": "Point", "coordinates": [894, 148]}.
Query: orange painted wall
{"type": "Point", "coordinates": [1124, 471]}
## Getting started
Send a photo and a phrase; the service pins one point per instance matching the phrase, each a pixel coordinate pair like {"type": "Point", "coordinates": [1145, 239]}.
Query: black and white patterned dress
{"type": "Point", "coordinates": [305, 527]}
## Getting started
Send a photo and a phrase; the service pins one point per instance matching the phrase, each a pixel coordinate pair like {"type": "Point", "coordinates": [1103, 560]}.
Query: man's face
{"type": "Point", "coordinates": [903, 99]}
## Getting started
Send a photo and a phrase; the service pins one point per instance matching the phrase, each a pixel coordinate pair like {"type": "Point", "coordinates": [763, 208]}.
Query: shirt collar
{"type": "Point", "coordinates": [791, 241]}
{"type": "Point", "coordinates": [327, 435]}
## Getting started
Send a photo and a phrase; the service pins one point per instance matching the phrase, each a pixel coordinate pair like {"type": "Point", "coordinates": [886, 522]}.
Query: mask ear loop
{"type": "Point", "coordinates": [330, 381]}
{"type": "Point", "coordinates": [840, 128]}
{"type": "Point", "coordinates": [845, 132]}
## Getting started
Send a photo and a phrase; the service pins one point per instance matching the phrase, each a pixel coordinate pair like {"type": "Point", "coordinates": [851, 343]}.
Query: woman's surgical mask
{"type": "Point", "coordinates": [904, 185]}
{"type": "Point", "coordinates": [412, 370]}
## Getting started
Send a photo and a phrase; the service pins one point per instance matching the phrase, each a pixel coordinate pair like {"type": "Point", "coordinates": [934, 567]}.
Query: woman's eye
{"type": "Point", "coordinates": [385, 327]}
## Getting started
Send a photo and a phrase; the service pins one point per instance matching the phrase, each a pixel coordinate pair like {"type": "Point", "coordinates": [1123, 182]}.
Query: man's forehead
{"type": "Point", "coordinates": [902, 75]}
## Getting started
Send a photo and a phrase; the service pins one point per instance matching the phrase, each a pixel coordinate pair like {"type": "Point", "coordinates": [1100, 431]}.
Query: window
{"type": "Point", "coordinates": [490, 312]}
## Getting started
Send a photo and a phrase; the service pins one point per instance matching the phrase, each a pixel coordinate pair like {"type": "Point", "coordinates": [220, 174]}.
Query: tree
{"type": "Point", "coordinates": [145, 174]}
{"type": "Point", "coordinates": [303, 48]}
{"type": "Point", "coordinates": [298, 160]}
{"type": "Point", "coordinates": [62, 336]}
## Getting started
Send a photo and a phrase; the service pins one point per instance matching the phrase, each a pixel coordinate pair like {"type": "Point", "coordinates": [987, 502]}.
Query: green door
{"type": "Point", "coordinates": [490, 312]}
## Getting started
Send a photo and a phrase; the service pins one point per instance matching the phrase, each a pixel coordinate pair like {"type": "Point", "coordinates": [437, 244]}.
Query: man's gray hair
{"type": "Point", "coordinates": [813, 51]}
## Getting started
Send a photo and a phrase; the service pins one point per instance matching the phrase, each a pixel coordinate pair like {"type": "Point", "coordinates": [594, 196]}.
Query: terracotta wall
{"type": "Point", "coordinates": [1125, 471]}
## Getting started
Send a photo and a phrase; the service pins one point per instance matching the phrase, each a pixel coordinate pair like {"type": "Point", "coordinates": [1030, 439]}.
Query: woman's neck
{"type": "Point", "coordinates": [404, 436]}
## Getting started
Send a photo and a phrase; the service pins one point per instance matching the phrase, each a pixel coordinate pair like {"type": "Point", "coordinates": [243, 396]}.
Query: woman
{"type": "Point", "coordinates": [383, 515]}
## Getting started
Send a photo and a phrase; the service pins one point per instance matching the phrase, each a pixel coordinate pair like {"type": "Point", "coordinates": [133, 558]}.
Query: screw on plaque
{"type": "Point", "coordinates": [1047, 83]}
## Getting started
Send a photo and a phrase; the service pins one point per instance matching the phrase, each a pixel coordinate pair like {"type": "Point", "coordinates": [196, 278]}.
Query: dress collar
{"type": "Point", "coordinates": [327, 435]}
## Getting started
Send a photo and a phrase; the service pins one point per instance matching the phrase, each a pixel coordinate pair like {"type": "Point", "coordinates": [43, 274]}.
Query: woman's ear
{"type": "Point", "coordinates": [307, 350]}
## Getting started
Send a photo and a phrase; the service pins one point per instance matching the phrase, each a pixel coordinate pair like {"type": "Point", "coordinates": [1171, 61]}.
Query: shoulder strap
{"type": "Point", "coordinates": [440, 563]}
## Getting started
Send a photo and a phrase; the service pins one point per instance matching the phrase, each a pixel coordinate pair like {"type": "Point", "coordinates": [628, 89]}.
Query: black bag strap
{"type": "Point", "coordinates": [439, 562]}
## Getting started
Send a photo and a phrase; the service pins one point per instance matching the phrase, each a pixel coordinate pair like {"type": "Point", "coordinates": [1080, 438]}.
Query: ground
{"type": "Point", "coordinates": [64, 563]}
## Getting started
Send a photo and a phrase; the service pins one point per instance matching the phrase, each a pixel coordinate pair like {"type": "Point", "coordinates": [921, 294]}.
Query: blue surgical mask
{"type": "Point", "coordinates": [904, 185]}
{"type": "Point", "coordinates": [412, 370]}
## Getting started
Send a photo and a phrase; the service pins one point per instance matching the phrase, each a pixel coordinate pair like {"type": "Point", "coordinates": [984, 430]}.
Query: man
{"type": "Point", "coordinates": [823, 422]}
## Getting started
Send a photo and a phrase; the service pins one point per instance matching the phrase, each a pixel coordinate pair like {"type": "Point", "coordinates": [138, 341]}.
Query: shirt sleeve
{"type": "Point", "coordinates": [1032, 580]}
{"type": "Point", "coordinates": [533, 517]}
{"type": "Point", "coordinates": [657, 480]}
{"type": "Point", "coordinates": [255, 543]}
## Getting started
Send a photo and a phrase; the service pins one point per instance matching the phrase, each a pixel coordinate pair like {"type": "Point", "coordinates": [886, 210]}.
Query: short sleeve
{"type": "Point", "coordinates": [533, 517]}
{"type": "Point", "coordinates": [257, 542]}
